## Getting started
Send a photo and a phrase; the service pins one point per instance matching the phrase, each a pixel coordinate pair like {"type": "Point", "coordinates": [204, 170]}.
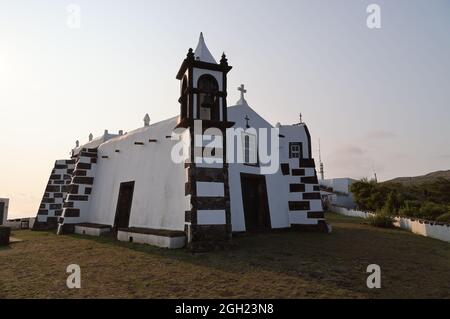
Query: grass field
{"type": "Point", "coordinates": [274, 265]}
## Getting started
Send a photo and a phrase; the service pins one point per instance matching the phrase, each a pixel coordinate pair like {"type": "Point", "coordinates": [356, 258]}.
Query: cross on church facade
{"type": "Point", "coordinates": [246, 118]}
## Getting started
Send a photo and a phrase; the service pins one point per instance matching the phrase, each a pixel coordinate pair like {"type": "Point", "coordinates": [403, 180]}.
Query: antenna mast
{"type": "Point", "coordinates": [322, 173]}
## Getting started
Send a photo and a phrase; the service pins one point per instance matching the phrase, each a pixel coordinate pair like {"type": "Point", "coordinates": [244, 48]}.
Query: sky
{"type": "Point", "coordinates": [378, 99]}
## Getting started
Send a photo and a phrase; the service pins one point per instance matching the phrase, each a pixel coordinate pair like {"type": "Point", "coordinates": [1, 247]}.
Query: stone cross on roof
{"type": "Point", "coordinates": [243, 91]}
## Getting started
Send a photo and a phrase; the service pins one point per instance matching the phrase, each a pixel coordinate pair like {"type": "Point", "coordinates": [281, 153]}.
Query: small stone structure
{"type": "Point", "coordinates": [5, 232]}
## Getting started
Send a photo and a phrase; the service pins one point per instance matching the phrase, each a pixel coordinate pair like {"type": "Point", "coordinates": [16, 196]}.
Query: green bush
{"type": "Point", "coordinates": [444, 218]}
{"type": "Point", "coordinates": [431, 211]}
{"type": "Point", "coordinates": [382, 220]}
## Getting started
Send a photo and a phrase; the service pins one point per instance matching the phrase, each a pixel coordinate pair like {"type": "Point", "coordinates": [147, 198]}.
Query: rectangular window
{"type": "Point", "coordinates": [250, 149]}
{"type": "Point", "coordinates": [295, 150]}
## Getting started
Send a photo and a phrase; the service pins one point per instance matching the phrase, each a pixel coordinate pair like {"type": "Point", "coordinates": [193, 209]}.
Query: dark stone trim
{"type": "Point", "coordinates": [48, 200]}
{"type": "Point", "coordinates": [86, 154]}
{"type": "Point", "coordinates": [88, 190]}
{"type": "Point", "coordinates": [187, 63]}
{"type": "Point", "coordinates": [296, 188]}
{"type": "Point", "coordinates": [42, 212]}
{"type": "Point", "coordinates": [311, 196]}
{"type": "Point", "coordinates": [79, 172]}
{"type": "Point", "coordinates": [83, 180]}
{"type": "Point", "coordinates": [190, 217]}
{"type": "Point", "coordinates": [189, 122]}
{"type": "Point", "coordinates": [320, 227]}
{"type": "Point", "coordinates": [74, 189]}
{"type": "Point", "coordinates": [68, 205]}
{"type": "Point", "coordinates": [92, 225]}
{"type": "Point", "coordinates": [55, 206]}
{"type": "Point", "coordinates": [152, 141]}
{"type": "Point", "coordinates": [309, 180]}
{"type": "Point", "coordinates": [285, 168]}
{"type": "Point", "coordinates": [316, 215]}
{"type": "Point", "coordinates": [138, 143]}
{"type": "Point", "coordinates": [208, 203]}
{"type": "Point", "coordinates": [307, 163]}
{"type": "Point", "coordinates": [206, 174]}
{"type": "Point", "coordinates": [79, 198]}
{"type": "Point", "coordinates": [85, 166]}
{"type": "Point", "coordinates": [187, 188]}
{"type": "Point", "coordinates": [155, 232]}
{"type": "Point", "coordinates": [299, 205]}
{"type": "Point", "coordinates": [71, 212]}
{"type": "Point", "coordinates": [53, 189]}
{"type": "Point", "coordinates": [298, 172]}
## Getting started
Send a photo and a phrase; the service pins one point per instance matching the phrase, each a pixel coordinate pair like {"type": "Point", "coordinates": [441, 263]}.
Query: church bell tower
{"type": "Point", "coordinates": [203, 104]}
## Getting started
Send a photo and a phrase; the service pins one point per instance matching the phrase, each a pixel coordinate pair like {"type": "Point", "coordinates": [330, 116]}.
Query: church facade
{"type": "Point", "coordinates": [175, 184]}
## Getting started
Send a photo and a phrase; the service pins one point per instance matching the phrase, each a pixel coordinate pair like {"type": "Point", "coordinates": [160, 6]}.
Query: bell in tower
{"type": "Point", "coordinates": [203, 85]}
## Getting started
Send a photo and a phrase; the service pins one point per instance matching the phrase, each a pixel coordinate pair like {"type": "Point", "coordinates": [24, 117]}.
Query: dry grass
{"type": "Point", "coordinates": [276, 265]}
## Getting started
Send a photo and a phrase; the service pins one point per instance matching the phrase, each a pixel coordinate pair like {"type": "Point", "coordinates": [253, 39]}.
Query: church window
{"type": "Point", "coordinates": [183, 99]}
{"type": "Point", "coordinates": [208, 99]}
{"type": "Point", "coordinates": [250, 149]}
{"type": "Point", "coordinates": [295, 150]}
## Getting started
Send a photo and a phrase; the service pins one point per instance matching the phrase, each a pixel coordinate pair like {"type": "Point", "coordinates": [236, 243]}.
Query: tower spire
{"type": "Point", "coordinates": [202, 52]}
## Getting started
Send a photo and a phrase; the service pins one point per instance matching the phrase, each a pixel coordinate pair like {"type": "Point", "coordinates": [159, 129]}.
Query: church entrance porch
{"type": "Point", "coordinates": [124, 202]}
{"type": "Point", "coordinates": [255, 203]}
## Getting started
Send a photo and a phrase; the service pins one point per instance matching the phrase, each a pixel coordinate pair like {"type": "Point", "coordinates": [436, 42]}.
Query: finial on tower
{"type": "Point", "coordinates": [242, 99]}
{"type": "Point", "coordinates": [224, 60]}
{"type": "Point", "coordinates": [190, 54]}
{"type": "Point", "coordinates": [301, 118]}
{"type": "Point", "coordinates": [91, 137]}
{"type": "Point", "coordinates": [77, 143]}
{"type": "Point", "coordinates": [146, 120]}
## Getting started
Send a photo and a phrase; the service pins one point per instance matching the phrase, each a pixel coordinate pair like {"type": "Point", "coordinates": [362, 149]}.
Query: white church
{"type": "Point", "coordinates": [173, 183]}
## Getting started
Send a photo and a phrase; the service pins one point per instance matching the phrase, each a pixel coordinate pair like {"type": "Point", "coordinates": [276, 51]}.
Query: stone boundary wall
{"type": "Point", "coordinates": [436, 230]}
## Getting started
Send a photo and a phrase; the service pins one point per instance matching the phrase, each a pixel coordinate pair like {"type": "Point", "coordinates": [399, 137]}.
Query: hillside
{"type": "Point", "coordinates": [431, 177]}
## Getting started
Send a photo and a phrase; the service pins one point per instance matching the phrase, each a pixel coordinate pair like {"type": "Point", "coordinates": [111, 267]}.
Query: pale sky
{"type": "Point", "coordinates": [378, 99]}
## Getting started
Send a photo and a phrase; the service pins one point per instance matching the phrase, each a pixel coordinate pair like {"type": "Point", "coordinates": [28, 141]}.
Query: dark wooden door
{"type": "Point", "coordinates": [256, 206]}
{"type": "Point", "coordinates": [124, 202]}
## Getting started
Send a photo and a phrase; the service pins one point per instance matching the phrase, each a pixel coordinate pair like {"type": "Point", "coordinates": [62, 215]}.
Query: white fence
{"type": "Point", "coordinates": [425, 228]}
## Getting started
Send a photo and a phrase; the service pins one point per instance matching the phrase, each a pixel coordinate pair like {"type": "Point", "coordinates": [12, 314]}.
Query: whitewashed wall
{"type": "Point", "coordinates": [158, 200]}
{"type": "Point", "coordinates": [434, 230]}
{"type": "Point", "coordinates": [277, 186]}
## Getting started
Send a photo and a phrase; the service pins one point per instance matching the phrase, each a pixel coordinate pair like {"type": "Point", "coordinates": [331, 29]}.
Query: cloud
{"type": "Point", "coordinates": [380, 135]}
